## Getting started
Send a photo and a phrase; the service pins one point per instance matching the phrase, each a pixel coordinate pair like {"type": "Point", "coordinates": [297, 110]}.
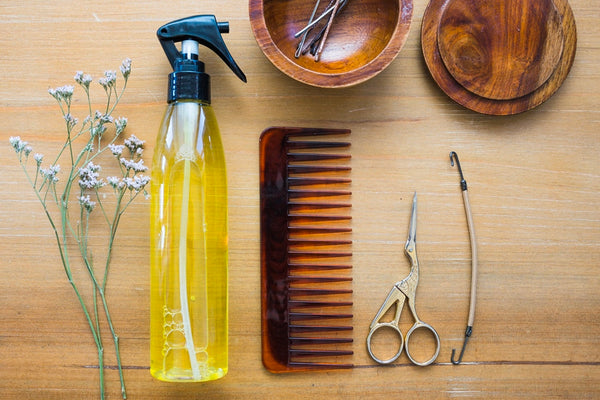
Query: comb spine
{"type": "Point", "coordinates": [274, 258]}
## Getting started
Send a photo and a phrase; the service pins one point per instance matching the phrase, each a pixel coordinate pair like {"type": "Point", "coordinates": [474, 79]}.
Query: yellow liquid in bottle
{"type": "Point", "coordinates": [188, 311]}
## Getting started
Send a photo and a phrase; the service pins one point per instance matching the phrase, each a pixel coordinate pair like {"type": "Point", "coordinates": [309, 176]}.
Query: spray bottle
{"type": "Point", "coordinates": [189, 249]}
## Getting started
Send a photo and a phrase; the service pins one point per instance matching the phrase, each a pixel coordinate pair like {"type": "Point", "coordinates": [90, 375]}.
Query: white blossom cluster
{"type": "Point", "coordinates": [51, 173]}
{"type": "Point", "coordinates": [126, 67]}
{"type": "Point", "coordinates": [38, 158]}
{"type": "Point", "coordinates": [71, 121]}
{"type": "Point", "coordinates": [83, 79]}
{"type": "Point", "coordinates": [120, 124]}
{"type": "Point", "coordinates": [108, 80]}
{"type": "Point", "coordinates": [87, 203]}
{"type": "Point", "coordinates": [88, 177]}
{"type": "Point", "coordinates": [135, 166]}
{"type": "Point", "coordinates": [136, 184]}
{"type": "Point", "coordinates": [20, 146]}
{"type": "Point", "coordinates": [134, 145]}
{"type": "Point", "coordinates": [63, 93]}
{"type": "Point", "coordinates": [116, 149]}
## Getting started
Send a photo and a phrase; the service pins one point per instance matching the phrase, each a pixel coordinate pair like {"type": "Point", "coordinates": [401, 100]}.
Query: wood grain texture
{"type": "Point", "coordinates": [501, 49]}
{"type": "Point", "coordinates": [533, 189]}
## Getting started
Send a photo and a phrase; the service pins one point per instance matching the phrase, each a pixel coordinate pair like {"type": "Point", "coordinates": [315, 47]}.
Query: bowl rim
{"type": "Point", "coordinates": [334, 80]}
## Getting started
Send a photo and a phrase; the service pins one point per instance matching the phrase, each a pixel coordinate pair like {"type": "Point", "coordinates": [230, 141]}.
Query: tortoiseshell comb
{"type": "Point", "coordinates": [306, 249]}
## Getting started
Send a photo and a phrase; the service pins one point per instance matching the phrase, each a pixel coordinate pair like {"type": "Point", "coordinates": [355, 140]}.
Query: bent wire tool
{"type": "Point", "coordinates": [469, 331]}
{"type": "Point", "coordinates": [405, 289]}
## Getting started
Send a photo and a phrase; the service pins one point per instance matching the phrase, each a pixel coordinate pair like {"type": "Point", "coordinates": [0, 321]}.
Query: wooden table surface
{"type": "Point", "coordinates": [533, 179]}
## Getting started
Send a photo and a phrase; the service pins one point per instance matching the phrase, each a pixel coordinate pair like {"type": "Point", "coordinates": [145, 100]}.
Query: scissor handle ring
{"type": "Point", "coordinates": [385, 325]}
{"type": "Point", "coordinates": [419, 325]}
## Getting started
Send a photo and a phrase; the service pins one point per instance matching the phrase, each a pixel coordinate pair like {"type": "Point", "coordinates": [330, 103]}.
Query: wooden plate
{"type": "Point", "coordinates": [499, 57]}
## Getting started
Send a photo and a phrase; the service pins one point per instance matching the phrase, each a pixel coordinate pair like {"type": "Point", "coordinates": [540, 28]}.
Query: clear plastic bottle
{"type": "Point", "coordinates": [189, 239]}
{"type": "Point", "coordinates": [189, 247]}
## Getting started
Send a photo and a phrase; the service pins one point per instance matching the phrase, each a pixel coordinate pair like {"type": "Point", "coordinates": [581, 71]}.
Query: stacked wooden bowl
{"type": "Point", "coordinates": [499, 57]}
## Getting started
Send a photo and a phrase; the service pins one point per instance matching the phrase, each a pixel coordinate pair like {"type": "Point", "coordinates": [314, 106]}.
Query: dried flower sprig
{"type": "Point", "coordinates": [84, 145]}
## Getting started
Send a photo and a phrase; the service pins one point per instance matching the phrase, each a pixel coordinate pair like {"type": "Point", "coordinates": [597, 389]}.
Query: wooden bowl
{"type": "Point", "coordinates": [364, 38]}
{"type": "Point", "coordinates": [499, 57]}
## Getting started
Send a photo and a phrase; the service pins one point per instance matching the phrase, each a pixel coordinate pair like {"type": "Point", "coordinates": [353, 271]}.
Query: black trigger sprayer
{"type": "Point", "coordinates": [189, 249]}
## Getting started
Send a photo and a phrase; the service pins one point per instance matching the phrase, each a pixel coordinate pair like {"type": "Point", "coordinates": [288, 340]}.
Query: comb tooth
{"type": "Point", "coordinates": [317, 304]}
{"type": "Point", "coordinates": [320, 353]}
{"type": "Point", "coordinates": [318, 217]}
{"type": "Point", "coordinates": [316, 157]}
{"type": "Point", "coordinates": [317, 292]}
{"type": "Point", "coordinates": [314, 328]}
{"type": "Point", "coordinates": [310, 242]}
{"type": "Point", "coordinates": [303, 340]}
{"type": "Point", "coordinates": [305, 132]}
{"type": "Point", "coordinates": [319, 266]}
{"type": "Point", "coordinates": [313, 230]}
{"type": "Point", "coordinates": [312, 205]}
{"type": "Point", "coordinates": [311, 169]}
{"type": "Point", "coordinates": [318, 279]}
{"type": "Point", "coordinates": [304, 316]}
{"type": "Point", "coordinates": [314, 144]}
{"type": "Point", "coordinates": [312, 365]}
{"type": "Point", "coordinates": [297, 193]}
{"type": "Point", "coordinates": [300, 181]}
{"type": "Point", "coordinates": [313, 254]}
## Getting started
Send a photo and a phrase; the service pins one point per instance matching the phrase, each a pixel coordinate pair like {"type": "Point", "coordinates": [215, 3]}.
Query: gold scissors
{"type": "Point", "coordinates": [405, 289]}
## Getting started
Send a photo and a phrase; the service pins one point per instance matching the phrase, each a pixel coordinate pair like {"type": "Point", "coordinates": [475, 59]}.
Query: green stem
{"type": "Point", "coordinates": [100, 291]}
{"type": "Point", "coordinates": [64, 256]}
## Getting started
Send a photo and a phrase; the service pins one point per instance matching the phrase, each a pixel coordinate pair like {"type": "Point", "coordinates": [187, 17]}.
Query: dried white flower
{"type": "Point", "coordinates": [137, 183]}
{"type": "Point", "coordinates": [71, 121]}
{"type": "Point", "coordinates": [134, 144]}
{"type": "Point", "coordinates": [103, 118]}
{"type": "Point", "coordinates": [88, 177]}
{"type": "Point", "coordinates": [126, 67]}
{"type": "Point", "coordinates": [109, 79]}
{"type": "Point", "coordinates": [116, 149]}
{"type": "Point", "coordinates": [113, 181]}
{"type": "Point", "coordinates": [97, 130]}
{"type": "Point", "coordinates": [83, 79]}
{"type": "Point", "coordinates": [13, 140]}
{"type": "Point", "coordinates": [87, 203]}
{"type": "Point", "coordinates": [51, 173]}
{"type": "Point", "coordinates": [120, 124]}
{"type": "Point", "coordinates": [38, 158]}
{"type": "Point", "coordinates": [62, 93]}
{"type": "Point", "coordinates": [20, 146]}
{"type": "Point", "coordinates": [136, 166]}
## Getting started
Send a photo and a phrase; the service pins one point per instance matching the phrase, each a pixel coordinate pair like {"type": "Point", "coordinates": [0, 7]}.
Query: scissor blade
{"type": "Point", "coordinates": [412, 230]}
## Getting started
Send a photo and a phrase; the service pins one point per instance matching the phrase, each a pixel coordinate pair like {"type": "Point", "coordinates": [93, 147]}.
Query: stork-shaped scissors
{"type": "Point", "coordinates": [405, 289]}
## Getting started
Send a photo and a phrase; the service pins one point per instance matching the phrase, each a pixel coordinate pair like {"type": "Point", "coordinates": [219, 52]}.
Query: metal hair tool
{"type": "Point", "coordinates": [469, 330]}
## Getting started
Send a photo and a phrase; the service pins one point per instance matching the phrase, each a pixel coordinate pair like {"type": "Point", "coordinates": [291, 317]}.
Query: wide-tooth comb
{"type": "Point", "coordinates": [306, 249]}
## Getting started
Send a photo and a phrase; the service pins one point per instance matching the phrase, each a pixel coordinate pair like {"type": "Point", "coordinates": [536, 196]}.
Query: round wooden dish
{"type": "Point", "coordinates": [499, 57]}
{"type": "Point", "coordinates": [364, 39]}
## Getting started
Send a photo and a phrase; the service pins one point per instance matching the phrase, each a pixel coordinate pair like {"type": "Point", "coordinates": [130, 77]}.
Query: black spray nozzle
{"type": "Point", "coordinates": [203, 29]}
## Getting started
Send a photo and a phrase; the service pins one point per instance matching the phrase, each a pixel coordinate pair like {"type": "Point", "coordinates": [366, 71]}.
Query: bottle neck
{"type": "Point", "coordinates": [185, 85]}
